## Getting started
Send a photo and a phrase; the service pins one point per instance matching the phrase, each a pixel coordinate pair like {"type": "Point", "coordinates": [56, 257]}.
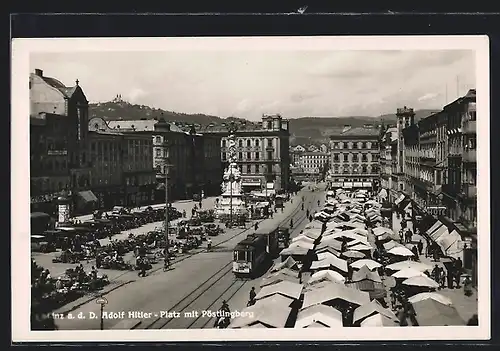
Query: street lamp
{"type": "Point", "coordinates": [167, 166]}
{"type": "Point", "coordinates": [231, 127]}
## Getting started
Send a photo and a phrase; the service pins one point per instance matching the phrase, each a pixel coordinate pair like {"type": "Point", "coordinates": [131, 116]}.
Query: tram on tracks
{"type": "Point", "coordinates": [252, 254]}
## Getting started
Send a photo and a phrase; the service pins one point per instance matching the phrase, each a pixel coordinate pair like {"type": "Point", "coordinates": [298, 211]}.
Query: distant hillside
{"type": "Point", "coordinates": [305, 130]}
{"type": "Point", "coordinates": [118, 109]}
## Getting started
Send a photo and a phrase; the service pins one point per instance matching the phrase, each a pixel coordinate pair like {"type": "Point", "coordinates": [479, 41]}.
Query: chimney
{"type": "Point", "coordinates": [346, 128]}
{"type": "Point", "coordinates": [39, 72]}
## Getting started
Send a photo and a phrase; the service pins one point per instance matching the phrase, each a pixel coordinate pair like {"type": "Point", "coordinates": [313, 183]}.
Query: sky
{"type": "Point", "coordinates": [247, 84]}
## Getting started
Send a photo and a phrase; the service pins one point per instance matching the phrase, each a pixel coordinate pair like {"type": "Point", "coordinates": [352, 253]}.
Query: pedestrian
{"type": "Point", "coordinates": [256, 226]}
{"type": "Point", "coordinates": [458, 272]}
{"type": "Point", "coordinates": [442, 278]}
{"type": "Point", "coordinates": [402, 317]}
{"type": "Point", "coordinates": [415, 253]}
{"type": "Point", "coordinates": [420, 246]}
{"type": "Point", "coordinates": [449, 277]}
{"type": "Point", "coordinates": [307, 212]}
{"type": "Point", "coordinates": [467, 286]}
{"type": "Point", "coordinates": [310, 218]}
{"type": "Point", "coordinates": [252, 296]}
{"type": "Point", "coordinates": [435, 273]}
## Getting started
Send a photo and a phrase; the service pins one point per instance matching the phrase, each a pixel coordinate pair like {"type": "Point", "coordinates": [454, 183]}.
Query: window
{"type": "Point", "coordinates": [257, 168]}
{"type": "Point", "coordinates": [472, 115]}
{"type": "Point", "coordinates": [346, 157]}
{"type": "Point", "coordinates": [224, 157]}
{"type": "Point", "coordinates": [257, 142]}
{"type": "Point", "coordinates": [158, 152]}
{"type": "Point", "coordinates": [269, 155]}
{"type": "Point", "coordinates": [240, 143]}
{"type": "Point", "coordinates": [224, 143]}
{"type": "Point", "coordinates": [249, 142]}
{"type": "Point", "coordinates": [354, 145]}
{"type": "Point", "coordinates": [354, 158]}
{"type": "Point", "coordinates": [257, 155]}
{"type": "Point", "coordinates": [374, 145]}
{"type": "Point", "coordinates": [364, 158]}
{"type": "Point", "coordinates": [269, 142]}
{"type": "Point", "coordinates": [363, 169]}
{"type": "Point", "coordinates": [249, 169]}
{"type": "Point", "coordinates": [363, 145]}
{"type": "Point", "coordinates": [158, 139]}
{"type": "Point", "coordinates": [249, 155]}
{"type": "Point", "coordinates": [240, 155]}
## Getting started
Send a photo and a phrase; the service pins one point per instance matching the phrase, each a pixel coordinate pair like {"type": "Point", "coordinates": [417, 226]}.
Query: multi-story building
{"type": "Point", "coordinates": [314, 163]}
{"type": "Point", "coordinates": [122, 161]}
{"type": "Point", "coordinates": [388, 143]}
{"type": "Point", "coordinates": [50, 136]}
{"type": "Point", "coordinates": [441, 172]}
{"type": "Point", "coordinates": [50, 96]}
{"type": "Point", "coordinates": [191, 160]}
{"type": "Point", "coordinates": [355, 157]}
{"type": "Point", "coordinates": [460, 188]}
{"type": "Point", "coordinates": [405, 117]}
{"type": "Point", "coordinates": [295, 154]}
{"type": "Point", "coordinates": [262, 152]}
{"type": "Point", "coordinates": [412, 161]}
{"type": "Point", "coordinates": [106, 157]}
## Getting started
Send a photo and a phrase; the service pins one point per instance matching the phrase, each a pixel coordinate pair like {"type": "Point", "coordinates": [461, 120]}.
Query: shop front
{"type": "Point", "coordinates": [249, 184]}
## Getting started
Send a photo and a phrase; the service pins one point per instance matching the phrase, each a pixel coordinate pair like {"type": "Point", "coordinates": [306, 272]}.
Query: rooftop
{"type": "Point", "coordinates": [359, 131]}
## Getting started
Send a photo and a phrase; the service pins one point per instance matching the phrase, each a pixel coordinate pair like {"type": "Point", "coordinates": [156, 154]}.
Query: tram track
{"type": "Point", "coordinates": [227, 290]}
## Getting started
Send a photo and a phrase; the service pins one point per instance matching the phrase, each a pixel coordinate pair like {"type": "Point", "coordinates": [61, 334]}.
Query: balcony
{"type": "Point", "coordinates": [469, 156]}
{"type": "Point", "coordinates": [469, 127]}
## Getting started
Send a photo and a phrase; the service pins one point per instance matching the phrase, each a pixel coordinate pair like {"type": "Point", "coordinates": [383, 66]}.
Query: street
{"type": "Point", "coordinates": [197, 283]}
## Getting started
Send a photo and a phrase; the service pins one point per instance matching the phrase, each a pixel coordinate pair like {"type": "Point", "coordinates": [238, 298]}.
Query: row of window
{"type": "Point", "coordinates": [248, 155]}
{"type": "Point", "coordinates": [363, 169]}
{"type": "Point", "coordinates": [249, 142]}
{"type": "Point", "coordinates": [355, 145]}
{"type": "Point", "coordinates": [355, 158]}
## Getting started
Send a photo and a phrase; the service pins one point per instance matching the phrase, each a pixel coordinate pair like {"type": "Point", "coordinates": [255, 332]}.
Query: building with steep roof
{"type": "Point", "coordinates": [49, 98]}
{"type": "Point", "coordinates": [354, 160]}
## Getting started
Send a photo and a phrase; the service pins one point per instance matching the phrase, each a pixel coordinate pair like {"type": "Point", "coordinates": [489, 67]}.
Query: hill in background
{"type": "Point", "coordinates": [304, 130]}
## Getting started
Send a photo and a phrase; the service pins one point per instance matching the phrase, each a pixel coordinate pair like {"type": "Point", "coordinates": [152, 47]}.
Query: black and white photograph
{"type": "Point", "coordinates": [207, 186]}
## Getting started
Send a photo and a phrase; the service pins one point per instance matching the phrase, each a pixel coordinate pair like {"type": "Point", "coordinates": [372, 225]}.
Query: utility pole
{"type": "Point", "coordinates": [167, 220]}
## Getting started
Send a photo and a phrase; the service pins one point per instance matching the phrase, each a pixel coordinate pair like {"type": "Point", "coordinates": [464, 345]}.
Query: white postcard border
{"type": "Point", "coordinates": [20, 170]}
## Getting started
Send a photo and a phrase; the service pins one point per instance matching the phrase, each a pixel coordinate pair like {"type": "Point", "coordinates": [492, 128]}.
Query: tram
{"type": "Point", "coordinates": [251, 255]}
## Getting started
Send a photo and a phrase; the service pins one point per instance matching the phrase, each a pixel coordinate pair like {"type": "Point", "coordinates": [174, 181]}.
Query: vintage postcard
{"type": "Point", "coordinates": [315, 188]}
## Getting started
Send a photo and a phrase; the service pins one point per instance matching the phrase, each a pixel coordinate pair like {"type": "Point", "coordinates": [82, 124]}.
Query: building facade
{"type": "Point", "coordinates": [191, 160]}
{"type": "Point", "coordinates": [355, 158]}
{"type": "Point", "coordinates": [460, 189]}
{"type": "Point", "coordinates": [50, 97]}
{"type": "Point", "coordinates": [441, 173]}
{"type": "Point", "coordinates": [262, 152]}
{"type": "Point", "coordinates": [388, 152]}
{"type": "Point", "coordinates": [50, 159]}
{"type": "Point", "coordinates": [405, 117]}
{"type": "Point", "coordinates": [314, 163]}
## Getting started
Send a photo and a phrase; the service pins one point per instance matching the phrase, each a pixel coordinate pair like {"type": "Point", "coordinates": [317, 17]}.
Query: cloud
{"type": "Point", "coordinates": [428, 96]}
{"type": "Point", "coordinates": [135, 95]}
{"type": "Point", "coordinates": [248, 83]}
